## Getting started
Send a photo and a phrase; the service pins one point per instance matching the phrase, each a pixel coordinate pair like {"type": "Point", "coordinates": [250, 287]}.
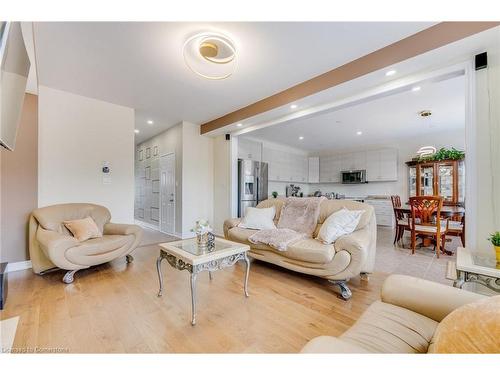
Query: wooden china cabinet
{"type": "Point", "coordinates": [445, 178]}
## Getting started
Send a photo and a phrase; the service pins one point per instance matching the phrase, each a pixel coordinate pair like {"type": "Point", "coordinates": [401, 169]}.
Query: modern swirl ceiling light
{"type": "Point", "coordinates": [210, 55]}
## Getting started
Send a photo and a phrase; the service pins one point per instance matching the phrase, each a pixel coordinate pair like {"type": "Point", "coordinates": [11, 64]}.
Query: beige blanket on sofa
{"type": "Point", "coordinates": [278, 239]}
{"type": "Point", "coordinates": [298, 219]}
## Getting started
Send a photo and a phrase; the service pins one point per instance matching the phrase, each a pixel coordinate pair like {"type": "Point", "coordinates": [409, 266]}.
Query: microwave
{"type": "Point", "coordinates": [354, 177]}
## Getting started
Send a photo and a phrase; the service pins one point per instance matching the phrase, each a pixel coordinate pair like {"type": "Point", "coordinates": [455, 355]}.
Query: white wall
{"type": "Point", "coordinates": [197, 177]}
{"type": "Point", "coordinates": [407, 149]}
{"type": "Point", "coordinates": [487, 144]}
{"type": "Point", "coordinates": [76, 134]}
{"type": "Point", "coordinates": [222, 182]}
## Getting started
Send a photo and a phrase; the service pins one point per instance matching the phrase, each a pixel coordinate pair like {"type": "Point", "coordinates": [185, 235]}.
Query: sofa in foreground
{"type": "Point", "coordinates": [350, 256]}
{"type": "Point", "coordinates": [52, 245]}
{"type": "Point", "coordinates": [420, 316]}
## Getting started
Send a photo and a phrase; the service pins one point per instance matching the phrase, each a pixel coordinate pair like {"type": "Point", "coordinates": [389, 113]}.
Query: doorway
{"type": "Point", "coordinates": [167, 194]}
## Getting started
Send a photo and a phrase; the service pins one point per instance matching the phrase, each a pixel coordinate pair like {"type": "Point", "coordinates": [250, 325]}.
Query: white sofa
{"type": "Point", "coordinates": [350, 256]}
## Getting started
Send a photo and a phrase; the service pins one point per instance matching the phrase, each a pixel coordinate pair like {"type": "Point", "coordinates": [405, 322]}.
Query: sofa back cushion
{"type": "Point", "coordinates": [52, 217]}
{"type": "Point", "coordinates": [277, 203]}
{"type": "Point", "coordinates": [328, 207]}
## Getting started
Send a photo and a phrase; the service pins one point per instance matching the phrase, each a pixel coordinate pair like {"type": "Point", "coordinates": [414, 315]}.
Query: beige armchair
{"type": "Point", "coordinates": [52, 245]}
{"type": "Point", "coordinates": [403, 321]}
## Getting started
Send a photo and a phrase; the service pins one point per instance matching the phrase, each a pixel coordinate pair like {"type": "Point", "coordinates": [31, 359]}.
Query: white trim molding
{"type": "Point", "coordinates": [18, 266]}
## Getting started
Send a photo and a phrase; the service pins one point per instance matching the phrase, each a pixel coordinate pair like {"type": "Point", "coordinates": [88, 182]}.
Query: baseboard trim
{"type": "Point", "coordinates": [18, 266]}
{"type": "Point", "coordinates": [146, 225]}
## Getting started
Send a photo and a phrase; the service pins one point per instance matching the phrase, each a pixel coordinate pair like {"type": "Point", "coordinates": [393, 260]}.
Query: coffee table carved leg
{"type": "Point", "coordinates": [460, 281]}
{"type": "Point", "coordinates": [247, 271]}
{"type": "Point", "coordinates": [160, 275]}
{"type": "Point", "coordinates": [193, 298]}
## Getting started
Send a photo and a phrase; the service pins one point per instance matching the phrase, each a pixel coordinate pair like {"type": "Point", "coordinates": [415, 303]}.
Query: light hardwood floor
{"type": "Point", "coordinates": [114, 308]}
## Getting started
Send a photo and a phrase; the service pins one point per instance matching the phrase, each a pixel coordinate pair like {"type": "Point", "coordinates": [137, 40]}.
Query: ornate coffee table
{"type": "Point", "coordinates": [187, 255]}
{"type": "Point", "coordinates": [477, 268]}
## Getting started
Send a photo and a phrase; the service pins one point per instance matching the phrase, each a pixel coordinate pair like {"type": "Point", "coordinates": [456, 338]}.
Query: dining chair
{"type": "Point", "coordinates": [457, 227]}
{"type": "Point", "coordinates": [426, 220]}
{"type": "Point", "coordinates": [402, 222]}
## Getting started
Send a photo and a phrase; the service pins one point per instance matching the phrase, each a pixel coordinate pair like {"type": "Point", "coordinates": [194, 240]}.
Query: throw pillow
{"type": "Point", "coordinates": [258, 218]}
{"type": "Point", "coordinates": [472, 328]}
{"type": "Point", "coordinates": [83, 229]}
{"type": "Point", "coordinates": [338, 224]}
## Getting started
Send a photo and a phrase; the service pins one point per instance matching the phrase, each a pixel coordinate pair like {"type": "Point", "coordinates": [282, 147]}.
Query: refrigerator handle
{"type": "Point", "coordinates": [257, 190]}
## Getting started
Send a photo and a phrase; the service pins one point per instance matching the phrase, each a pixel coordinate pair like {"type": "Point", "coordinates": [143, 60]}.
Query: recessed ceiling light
{"type": "Point", "coordinates": [390, 73]}
{"type": "Point", "coordinates": [293, 106]}
{"type": "Point", "coordinates": [359, 132]}
{"type": "Point", "coordinates": [416, 88]}
{"type": "Point", "coordinates": [301, 138]}
{"type": "Point", "coordinates": [150, 122]}
{"type": "Point", "coordinates": [136, 131]}
{"type": "Point", "coordinates": [240, 124]}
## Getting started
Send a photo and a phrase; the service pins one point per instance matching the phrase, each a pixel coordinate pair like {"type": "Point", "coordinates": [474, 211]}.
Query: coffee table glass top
{"type": "Point", "coordinates": [484, 260]}
{"type": "Point", "coordinates": [192, 247]}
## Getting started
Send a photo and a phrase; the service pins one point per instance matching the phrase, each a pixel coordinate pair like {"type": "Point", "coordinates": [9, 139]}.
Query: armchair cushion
{"type": "Point", "coordinates": [83, 229]}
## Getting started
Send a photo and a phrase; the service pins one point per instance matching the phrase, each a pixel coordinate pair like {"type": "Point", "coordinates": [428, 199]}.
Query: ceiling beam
{"type": "Point", "coordinates": [426, 40]}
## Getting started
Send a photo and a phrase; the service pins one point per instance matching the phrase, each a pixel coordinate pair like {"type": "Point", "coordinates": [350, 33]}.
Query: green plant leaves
{"type": "Point", "coordinates": [444, 154]}
{"type": "Point", "coordinates": [495, 239]}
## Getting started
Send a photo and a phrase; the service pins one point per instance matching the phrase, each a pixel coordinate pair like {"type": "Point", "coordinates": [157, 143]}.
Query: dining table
{"type": "Point", "coordinates": [446, 212]}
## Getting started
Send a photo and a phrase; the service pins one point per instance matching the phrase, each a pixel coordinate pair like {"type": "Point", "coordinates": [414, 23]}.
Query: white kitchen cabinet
{"type": "Point", "coordinates": [286, 166]}
{"type": "Point", "coordinates": [330, 168]}
{"type": "Point", "coordinates": [248, 149]}
{"type": "Point", "coordinates": [313, 169]}
{"type": "Point", "coordinates": [384, 212]}
{"type": "Point", "coordinates": [382, 165]}
{"type": "Point", "coordinates": [353, 161]}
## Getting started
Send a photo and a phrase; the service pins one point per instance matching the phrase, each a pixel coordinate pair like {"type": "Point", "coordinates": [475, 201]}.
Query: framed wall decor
{"type": "Point", "coordinates": [148, 173]}
{"type": "Point", "coordinates": [155, 151]}
{"type": "Point", "coordinates": [148, 153]}
{"type": "Point", "coordinates": [141, 155]}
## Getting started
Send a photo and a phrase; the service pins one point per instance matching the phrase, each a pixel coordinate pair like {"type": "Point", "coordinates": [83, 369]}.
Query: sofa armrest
{"type": "Point", "coordinates": [357, 245]}
{"type": "Point", "coordinates": [424, 297]}
{"type": "Point", "coordinates": [230, 223]}
{"type": "Point", "coordinates": [121, 229]}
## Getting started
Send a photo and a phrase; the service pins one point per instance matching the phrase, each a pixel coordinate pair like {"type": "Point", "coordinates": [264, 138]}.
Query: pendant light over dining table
{"type": "Point", "coordinates": [210, 55]}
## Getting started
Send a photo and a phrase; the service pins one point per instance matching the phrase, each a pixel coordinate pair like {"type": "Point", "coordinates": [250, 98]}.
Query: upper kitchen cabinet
{"type": "Point", "coordinates": [353, 161]}
{"type": "Point", "coordinates": [382, 165]}
{"type": "Point", "coordinates": [313, 169]}
{"type": "Point", "coordinates": [330, 169]}
{"type": "Point", "coordinates": [285, 166]}
{"type": "Point", "coordinates": [248, 149]}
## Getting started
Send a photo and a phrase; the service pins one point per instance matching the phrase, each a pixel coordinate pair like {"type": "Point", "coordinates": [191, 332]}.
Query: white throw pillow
{"type": "Point", "coordinates": [258, 218]}
{"type": "Point", "coordinates": [338, 224]}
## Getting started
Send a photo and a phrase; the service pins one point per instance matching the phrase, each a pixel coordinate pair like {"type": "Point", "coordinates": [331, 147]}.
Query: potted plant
{"type": "Point", "coordinates": [495, 240]}
{"type": "Point", "coordinates": [274, 194]}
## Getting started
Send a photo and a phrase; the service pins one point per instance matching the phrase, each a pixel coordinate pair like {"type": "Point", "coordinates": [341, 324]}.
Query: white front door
{"type": "Point", "coordinates": [167, 194]}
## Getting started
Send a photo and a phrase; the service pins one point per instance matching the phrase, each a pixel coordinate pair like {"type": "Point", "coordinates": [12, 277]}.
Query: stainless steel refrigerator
{"type": "Point", "coordinates": [252, 184]}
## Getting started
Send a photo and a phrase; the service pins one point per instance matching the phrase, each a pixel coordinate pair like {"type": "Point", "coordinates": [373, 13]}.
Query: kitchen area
{"type": "Point", "coordinates": [368, 176]}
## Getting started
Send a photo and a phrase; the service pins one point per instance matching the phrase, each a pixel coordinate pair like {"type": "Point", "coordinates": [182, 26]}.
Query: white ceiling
{"type": "Point", "coordinates": [140, 65]}
{"type": "Point", "coordinates": [380, 120]}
